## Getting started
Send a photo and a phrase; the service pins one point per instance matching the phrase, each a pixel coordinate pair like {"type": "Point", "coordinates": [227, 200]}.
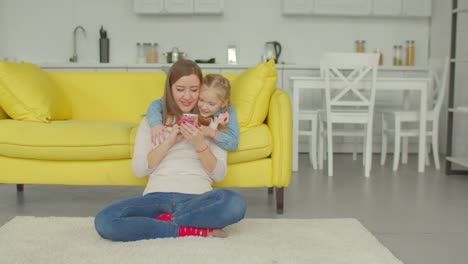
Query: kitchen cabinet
{"type": "Point", "coordinates": [298, 7]}
{"type": "Point", "coordinates": [210, 7]}
{"type": "Point", "coordinates": [343, 7]}
{"type": "Point", "coordinates": [374, 8]}
{"type": "Point", "coordinates": [417, 8]}
{"type": "Point", "coordinates": [148, 6]}
{"type": "Point", "coordinates": [178, 7]}
{"type": "Point", "coordinates": [387, 7]}
{"type": "Point", "coordinates": [408, 8]}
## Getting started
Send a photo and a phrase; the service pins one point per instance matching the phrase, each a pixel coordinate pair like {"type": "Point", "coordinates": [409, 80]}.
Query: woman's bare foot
{"type": "Point", "coordinates": [218, 233]}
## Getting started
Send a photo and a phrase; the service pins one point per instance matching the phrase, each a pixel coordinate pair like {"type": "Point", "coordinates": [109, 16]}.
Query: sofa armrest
{"type": "Point", "coordinates": [279, 120]}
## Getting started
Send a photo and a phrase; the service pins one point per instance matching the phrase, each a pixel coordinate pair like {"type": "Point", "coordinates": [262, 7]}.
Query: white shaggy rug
{"type": "Point", "coordinates": [74, 240]}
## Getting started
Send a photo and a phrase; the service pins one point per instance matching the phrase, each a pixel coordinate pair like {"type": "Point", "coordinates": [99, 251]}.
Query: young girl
{"type": "Point", "coordinates": [178, 199]}
{"type": "Point", "coordinates": [225, 114]}
{"type": "Point", "coordinates": [213, 105]}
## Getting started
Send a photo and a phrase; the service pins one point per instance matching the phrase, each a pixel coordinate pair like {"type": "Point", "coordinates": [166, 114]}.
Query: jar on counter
{"type": "Point", "coordinates": [141, 56]}
{"type": "Point", "coordinates": [151, 51]}
{"type": "Point", "coordinates": [360, 46]}
{"type": "Point", "coordinates": [152, 55]}
{"type": "Point", "coordinates": [397, 55]}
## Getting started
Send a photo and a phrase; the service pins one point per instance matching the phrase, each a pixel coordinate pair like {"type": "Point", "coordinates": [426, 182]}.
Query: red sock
{"type": "Point", "coordinates": [194, 231]}
{"type": "Point", "coordinates": [167, 217]}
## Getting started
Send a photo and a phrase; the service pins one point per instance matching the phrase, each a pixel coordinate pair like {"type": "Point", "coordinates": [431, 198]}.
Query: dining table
{"type": "Point", "coordinates": [397, 84]}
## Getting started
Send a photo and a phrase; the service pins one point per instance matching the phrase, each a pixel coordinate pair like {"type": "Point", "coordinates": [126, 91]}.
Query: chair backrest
{"type": "Point", "coordinates": [439, 69]}
{"type": "Point", "coordinates": [344, 74]}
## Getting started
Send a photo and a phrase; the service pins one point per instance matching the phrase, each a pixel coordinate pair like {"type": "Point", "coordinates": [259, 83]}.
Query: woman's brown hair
{"type": "Point", "coordinates": [178, 70]}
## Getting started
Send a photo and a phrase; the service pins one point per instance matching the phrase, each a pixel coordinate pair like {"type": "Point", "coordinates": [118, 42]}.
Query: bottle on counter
{"type": "Point", "coordinates": [407, 53]}
{"type": "Point", "coordinates": [380, 52]}
{"type": "Point", "coordinates": [103, 46]}
{"type": "Point", "coordinates": [400, 55]}
{"type": "Point", "coordinates": [395, 55]}
{"type": "Point", "coordinates": [411, 53]}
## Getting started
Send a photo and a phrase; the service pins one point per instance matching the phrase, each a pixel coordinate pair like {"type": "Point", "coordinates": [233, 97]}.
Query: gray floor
{"type": "Point", "coordinates": [421, 218]}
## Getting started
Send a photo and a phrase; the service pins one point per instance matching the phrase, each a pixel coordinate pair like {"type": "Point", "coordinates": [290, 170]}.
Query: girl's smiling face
{"type": "Point", "coordinates": [209, 102]}
{"type": "Point", "coordinates": [186, 92]}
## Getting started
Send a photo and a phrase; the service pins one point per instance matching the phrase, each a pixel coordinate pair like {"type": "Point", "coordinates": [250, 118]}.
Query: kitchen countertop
{"type": "Point", "coordinates": [207, 65]}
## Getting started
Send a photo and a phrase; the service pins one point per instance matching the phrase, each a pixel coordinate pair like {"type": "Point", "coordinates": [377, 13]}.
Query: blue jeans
{"type": "Point", "coordinates": [134, 219]}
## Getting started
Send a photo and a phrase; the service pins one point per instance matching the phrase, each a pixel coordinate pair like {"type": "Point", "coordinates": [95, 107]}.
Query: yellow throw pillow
{"type": "Point", "coordinates": [251, 92]}
{"type": "Point", "coordinates": [27, 93]}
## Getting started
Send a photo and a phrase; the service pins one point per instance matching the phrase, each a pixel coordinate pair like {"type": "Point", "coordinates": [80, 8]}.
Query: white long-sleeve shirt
{"type": "Point", "coordinates": [180, 170]}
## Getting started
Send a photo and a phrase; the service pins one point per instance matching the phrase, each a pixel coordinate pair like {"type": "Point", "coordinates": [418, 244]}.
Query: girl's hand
{"type": "Point", "coordinates": [222, 118]}
{"type": "Point", "coordinates": [208, 132]}
{"type": "Point", "coordinates": [192, 133]}
{"type": "Point", "coordinates": [158, 134]}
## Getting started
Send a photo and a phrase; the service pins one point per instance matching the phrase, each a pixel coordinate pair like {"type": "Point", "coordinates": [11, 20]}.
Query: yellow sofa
{"type": "Point", "coordinates": [94, 144]}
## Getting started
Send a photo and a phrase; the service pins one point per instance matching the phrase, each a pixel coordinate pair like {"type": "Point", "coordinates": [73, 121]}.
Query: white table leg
{"type": "Point", "coordinates": [422, 128]}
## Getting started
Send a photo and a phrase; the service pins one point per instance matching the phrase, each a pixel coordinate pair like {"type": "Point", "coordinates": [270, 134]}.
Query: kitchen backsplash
{"type": "Point", "coordinates": [245, 24]}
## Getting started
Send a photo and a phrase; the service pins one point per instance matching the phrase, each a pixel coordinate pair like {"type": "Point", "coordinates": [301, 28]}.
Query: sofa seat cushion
{"type": "Point", "coordinates": [254, 143]}
{"type": "Point", "coordinates": [66, 140]}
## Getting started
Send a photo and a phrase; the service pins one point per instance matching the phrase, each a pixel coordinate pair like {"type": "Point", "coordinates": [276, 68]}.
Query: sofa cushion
{"type": "Point", "coordinates": [3, 115]}
{"type": "Point", "coordinates": [251, 92]}
{"type": "Point", "coordinates": [66, 140]}
{"type": "Point", "coordinates": [27, 93]}
{"type": "Point", "coordinates": [254, 143]}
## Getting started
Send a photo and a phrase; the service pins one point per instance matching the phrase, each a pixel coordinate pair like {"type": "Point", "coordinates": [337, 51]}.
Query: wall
{"type": "Point", "coordinates": [3, 27]}
{"type": "Point", "coordinates": [43, 31]}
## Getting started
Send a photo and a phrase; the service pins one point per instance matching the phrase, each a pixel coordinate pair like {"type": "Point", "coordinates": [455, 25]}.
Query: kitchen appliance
{"type": "Point", "coordinates": [232, 54]}
{"type": "Point", "coordinates": [272, 49]}
{"type": "Point", "coordinates": [174, 55]}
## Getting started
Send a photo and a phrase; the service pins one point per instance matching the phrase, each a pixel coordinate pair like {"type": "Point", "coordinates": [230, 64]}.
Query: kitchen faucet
{"type": "Point", "coordinates": [74, 58]}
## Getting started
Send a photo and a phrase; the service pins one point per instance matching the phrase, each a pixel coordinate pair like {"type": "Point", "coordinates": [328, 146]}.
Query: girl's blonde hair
{"type": "Point", "coordinates": [178, 70]}
{"type": "Point", "coordinates": [223, 88]}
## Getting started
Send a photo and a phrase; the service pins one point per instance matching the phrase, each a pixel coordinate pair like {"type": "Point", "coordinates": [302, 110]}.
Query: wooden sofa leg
{"type": "Point", "coordinates": [270, 190]}
{"type": "Point", "coordinates": [19, 187]}
{"type": "Point", "coordinates": [279, 200]}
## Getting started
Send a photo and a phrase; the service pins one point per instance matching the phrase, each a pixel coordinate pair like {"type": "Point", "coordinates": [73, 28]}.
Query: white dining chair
{"type": "Point", "coordinates": [404, 120]}
{"type": "Point", "coordinates": [312, 117]}
{"type": "Point", "coordinates": [350, 80]}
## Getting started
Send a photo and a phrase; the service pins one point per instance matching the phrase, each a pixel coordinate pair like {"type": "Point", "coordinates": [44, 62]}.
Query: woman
{"type": "Point", "coordinates": [178, 199]}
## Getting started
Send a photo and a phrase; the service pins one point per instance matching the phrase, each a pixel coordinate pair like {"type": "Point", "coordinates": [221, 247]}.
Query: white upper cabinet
{"type": "Point", "coordinates": [148, 6]}
{"type": "Point", "coordinates": [208, 6]}
{"type": "Point", "coordinates": [343, 7]}
{"type": "Point", "coordinates": [178, 7]}
{"type": "Point", "coordinates": [419, 8]}
{"type": "Point", "coordinates": [388, 7]}
{"type": "Point", "coordinates": [298, 7]}
{"type": "Point", "coordinates": [396, 8]}
{"type": "Point", "coordinates": [410, 8]}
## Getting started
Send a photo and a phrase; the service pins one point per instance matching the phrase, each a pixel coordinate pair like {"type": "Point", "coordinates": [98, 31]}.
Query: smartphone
{"type": "Point", "coordinates": [191, 118]}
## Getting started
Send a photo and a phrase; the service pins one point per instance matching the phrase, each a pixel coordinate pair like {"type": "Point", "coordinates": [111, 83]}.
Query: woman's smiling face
{"type": "Point", "coordinates": [186, 91]}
